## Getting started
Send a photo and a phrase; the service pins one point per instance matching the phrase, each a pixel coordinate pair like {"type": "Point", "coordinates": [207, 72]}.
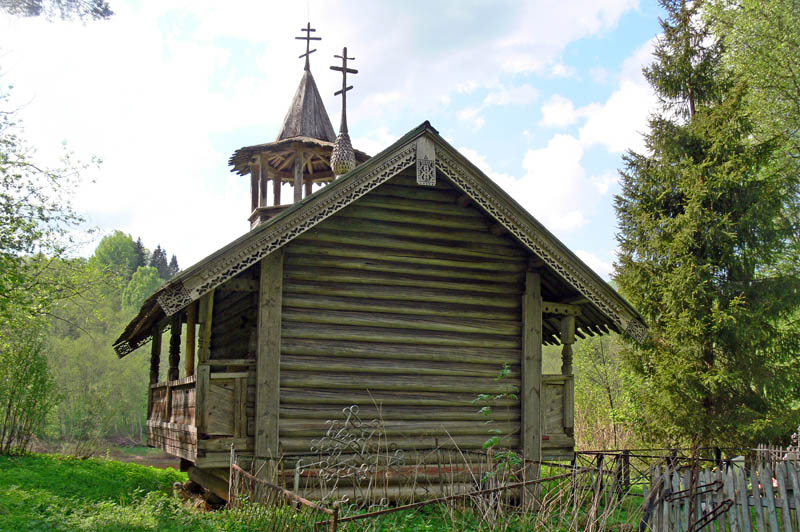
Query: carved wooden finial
{"type": "Point", "coordinates": [308, 38]}
{"type": "Point", "coordinates": [343, 158]}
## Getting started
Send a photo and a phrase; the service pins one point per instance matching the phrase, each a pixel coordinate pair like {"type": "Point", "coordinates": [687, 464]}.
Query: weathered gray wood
{"type": "Point", "coordinates": [388, 351]}
{"type": "Point", "coordinates": [730, 493]}
{"type": "Point", "coordinates": [331, 275]}
{"type": "Point", "coordinates": [437, 236]}
{"type": "Point", "coordinates": [433, 217]}
{"type": "Point", "coordinates": [532, 373]}
{"type": "Point", "coordinates": [301, 261]}
{"type": "Point", "coordinates": [433, 383]}
{"type": "Point", "coordinates": [401, 293]}
{"type": "Point", "coordinates": [276, 190]}
{"type": "Point", "coordinates": [780, 475]}
{"type": "Point", "coordinates": [299, 161]}
{"type": "Point", "coordinates": [759, 509]}
{"type": "Point", "coordinates": [765, 474]}
{"type": "Point", "coordinates": [206, 314]}
{"type": "Point", "coordinates": [794, 475]}
{"type": "Point", "coordinates": [311, 396]}
{"type": "Point", "coordinates": [411, 207]}
{"type": "Point", "coordinates": [201, 397]}
{"type": "Point", "coordinates": [400, 336]}
{"type": "Point", "coordinates": [268, 356]}
{"type": "Point", "coordinates": [415, 243]}
{"type": "Point", "coordinates": [191, 322]}
{"type": "Point", "coordinates": [409, 256]}
{"type": "Point", "coordinates": [413, 308]}
{"type": "Point", "coordinates": [403, 321]}
{"type": "Point", "coordinates": [405, 412]}
{"type": "Point", "coordinates": [326, 364]}
{"type": "Point", "coordinates": [175, 348]}
{"type": "Point", "coordinates": [295, 428]}
{"type": "Point", "coordinates": [211, 482]}
{"type": "Point", "coordinates": [155, 355]}
{"type": "Point", "coordinates": [740, 477]}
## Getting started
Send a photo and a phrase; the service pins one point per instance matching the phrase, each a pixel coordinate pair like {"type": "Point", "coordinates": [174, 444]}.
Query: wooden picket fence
{"type": "Point", "coordinates": [732, 497]}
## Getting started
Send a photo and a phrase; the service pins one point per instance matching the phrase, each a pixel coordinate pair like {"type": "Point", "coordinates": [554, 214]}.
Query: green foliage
{"type": "Point", "coordinates": [26, 383]}
{"type": "Point", "coordinates": [603, 388]}
{"type": "Point", "coordinates": [141, 286]}
{"type": "Point", "coordinates": [119, 253]}
{"type": "Point", "coordinates": [708, 254]}
{"type": "Point", "coordinates": [762, 40]}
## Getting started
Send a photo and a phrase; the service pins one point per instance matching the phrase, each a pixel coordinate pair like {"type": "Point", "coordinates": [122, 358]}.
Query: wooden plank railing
{"type": "Point", "coordinates": [171, 417]}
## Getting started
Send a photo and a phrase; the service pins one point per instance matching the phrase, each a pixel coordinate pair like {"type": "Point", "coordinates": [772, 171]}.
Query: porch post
{"type": "Point", "coordinates": [268, 357]}
{"type": "Point", "coordinates": [532, 379]}
{"type": "Point", "coordinates": [175, 348]}
{"type": "Point", "coordinates": [567, 339]}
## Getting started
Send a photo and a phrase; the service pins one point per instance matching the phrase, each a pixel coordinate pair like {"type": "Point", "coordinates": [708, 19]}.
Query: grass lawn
{"type": "Point", "coordinates": [58, 493]}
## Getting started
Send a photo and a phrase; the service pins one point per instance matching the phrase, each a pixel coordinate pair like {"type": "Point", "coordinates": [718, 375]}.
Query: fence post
{"type": "Point", "coordinates": [626, 471]}
{"type": "Point", "coordinates": [335, 518]}
{"type": "Point", "coordinates": [718, 456]}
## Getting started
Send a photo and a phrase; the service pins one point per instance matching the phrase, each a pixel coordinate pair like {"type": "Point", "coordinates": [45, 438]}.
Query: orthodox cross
{"type": "Point", "coordinates": [308, 38]}
{"type": "Point", "coordinates": [344, 70]}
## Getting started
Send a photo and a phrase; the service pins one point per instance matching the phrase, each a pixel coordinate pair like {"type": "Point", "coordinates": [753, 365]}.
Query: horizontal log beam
{"type": "Point", "coordinates": [560, 309]}
{"type": "Point", "coordinates": [293, 428]}
{"type": "Point", "coordinates": [335, 235]}
{"type": "Point", "coordinates": [335, 275]}
{"type": "Point", "coordinates": [321, 363]}
{"type": "Point", "coordinates": [406, 383]}
{"type": "Point", "coordinates": [401, 293]}
{"type": "Point", "coordinates": [401, 336]}
{"type": "Point", "coordinates": [310, 396]}
{"type": "Point", "coordinates": [411, 308]}
{"type": "Point", "coordinates": [400, 351]}
{"type": "Point", "coordinates": [402, 321]}
{"type": "Point", "coordinates": [408, 256]}
{"type": "Point", "coordinates": [298, 261]}
{"type": "Point", "coordinates": [420, 413]}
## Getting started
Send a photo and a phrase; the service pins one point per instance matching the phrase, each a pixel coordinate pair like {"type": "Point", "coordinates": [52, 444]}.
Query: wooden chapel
{"type": "Point", "coordinates": [404, 286]}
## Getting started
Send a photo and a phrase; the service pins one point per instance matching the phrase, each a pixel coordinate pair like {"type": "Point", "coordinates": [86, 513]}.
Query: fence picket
{"type": "Point", "coordinates": [759, 507]}
{"type": "Point", "coordinates": [719, 496]}
{"type": "Point", "coordinates": [731, 494]}
{"type": "Point", "coordinates": [780, 474]}
{"type": "Point", "coordinates": [666, 504]}
{"type": "Point", "coordinates": [743, 504]}
{"type": "Point", "coordinates": [792, 470]}
{"type": "Point", "coordinates": [765, 475]}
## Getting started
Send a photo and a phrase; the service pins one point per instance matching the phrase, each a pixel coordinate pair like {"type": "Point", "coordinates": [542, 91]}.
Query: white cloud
{"type": "Point", "coordinates": [472, 116]}
{"type": "Point", "coordinates": [601, 267]}
{"type": "Point", "coordinates": [618, 124]}
{"type": "Point", "coordinates": [519, 95]}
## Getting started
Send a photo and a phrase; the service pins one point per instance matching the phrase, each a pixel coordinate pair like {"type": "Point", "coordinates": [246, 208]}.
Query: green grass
{"type": "Point", "coordinates": [58, 493]}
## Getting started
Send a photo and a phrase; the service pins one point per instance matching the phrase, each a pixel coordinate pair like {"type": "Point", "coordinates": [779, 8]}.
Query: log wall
{"type": "Point", "coordinates": [404, 300]}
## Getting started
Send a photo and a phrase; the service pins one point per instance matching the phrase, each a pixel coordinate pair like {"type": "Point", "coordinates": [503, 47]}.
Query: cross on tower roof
{"type": "Point", "coordinates": [308, 38]}
{"type": "Point", "coordinates": [344, 70]}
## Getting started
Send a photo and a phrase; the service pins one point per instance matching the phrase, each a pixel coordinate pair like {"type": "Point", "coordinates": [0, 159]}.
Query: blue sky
{"type": "Point", "coordinates": [544, 96]}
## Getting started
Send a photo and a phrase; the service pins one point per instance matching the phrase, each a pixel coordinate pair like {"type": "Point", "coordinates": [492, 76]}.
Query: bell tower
{"type": "Point", "coordinates": [300, 156]}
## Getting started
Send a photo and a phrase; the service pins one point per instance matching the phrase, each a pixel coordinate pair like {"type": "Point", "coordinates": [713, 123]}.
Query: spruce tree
{"type": "Point", "coordinates": [158, 260]}
{"type": "Point", "coordinates": [708, 235]}
{"type": "Point", "coordinates": [141, 254]}
{"type": "Point", "coordinates": [173, 267]}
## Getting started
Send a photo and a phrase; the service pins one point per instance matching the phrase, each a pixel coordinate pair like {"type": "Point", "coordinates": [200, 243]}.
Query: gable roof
{"type": "Point", "coordinates": [307, 116]}
{"type": "Point", "coordinates": [253, 246]}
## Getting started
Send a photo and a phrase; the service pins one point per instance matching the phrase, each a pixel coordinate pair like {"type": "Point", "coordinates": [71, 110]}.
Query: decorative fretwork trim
{"type": "Point", "coordinates": [532, 238]}
{"type": "Point", "coordinates": [426, 162]}
{"type": "Point", "coordinates": [283, 232]}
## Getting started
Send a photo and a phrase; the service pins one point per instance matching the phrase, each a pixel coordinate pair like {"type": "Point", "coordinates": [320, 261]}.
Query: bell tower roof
{"type": "Point", "coordinates": [307, 116]}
